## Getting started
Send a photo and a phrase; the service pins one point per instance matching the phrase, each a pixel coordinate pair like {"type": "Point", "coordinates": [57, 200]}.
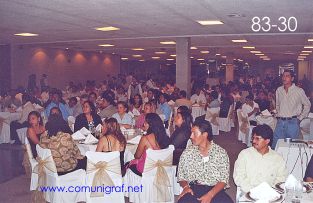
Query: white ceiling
{"type": "Point", "coordinates": [144, 23]}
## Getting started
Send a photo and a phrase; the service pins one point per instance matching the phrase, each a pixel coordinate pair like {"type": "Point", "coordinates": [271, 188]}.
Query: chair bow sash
{"type": "Point", "coordinates": [212, 117]}
{"type": "Point", "coordinates": [101, 177]}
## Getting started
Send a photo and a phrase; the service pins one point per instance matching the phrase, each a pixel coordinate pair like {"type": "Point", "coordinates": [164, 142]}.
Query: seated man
{"type": "Point", "coordinates": [308, 177]}
{"type": "Point", "coordinates": [259, 163]}
{"type": "Point", "coordinates": [250, 108]}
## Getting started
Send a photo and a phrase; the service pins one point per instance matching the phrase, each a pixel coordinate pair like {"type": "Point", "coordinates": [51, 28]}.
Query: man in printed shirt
{"type": "Point", "coordinates": [259, 163]}
{"type": "Point", "coordinates": [292, 105]}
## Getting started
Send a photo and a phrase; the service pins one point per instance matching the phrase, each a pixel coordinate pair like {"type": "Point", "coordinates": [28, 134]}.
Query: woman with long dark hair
{"type": "Point", "coordinates": [112, 139]}
{"type": "Point", "coordinates": [35, 130]}
{"type": "Point", "coordinates": [88, 119]}
{"type": "Point", "coordinates": [65, 152]}
{"type": "Point", "coordinates": [156, 138]}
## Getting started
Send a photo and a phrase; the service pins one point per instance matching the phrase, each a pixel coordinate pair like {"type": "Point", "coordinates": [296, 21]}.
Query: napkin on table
{"type": "Point", "coordinates": [78, 136]}
{"type": "Point", "coordinates": [264, 192]}
{"type": "Point", "coordinates": [134, 140]}
{"type": "Point", "coordinates": [266, 113]}
{"type": "Point", "coordinates": [99, 128]}
{"type": "Point", "coordinates": [291, 182]}
{"type": "Point", "coordinates": [90, 139]}
{"type": "Point", "coordinates": [84, 131]}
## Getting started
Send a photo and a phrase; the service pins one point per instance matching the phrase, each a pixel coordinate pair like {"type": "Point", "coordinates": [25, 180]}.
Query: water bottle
{"type": "Point", "coordinates": [298, 191]}
{"type": "Point", "coordinates": [289, 194]}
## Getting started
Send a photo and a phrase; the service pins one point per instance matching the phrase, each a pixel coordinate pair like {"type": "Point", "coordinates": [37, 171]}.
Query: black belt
{"type": "Point", "coordinates": [286, 118]}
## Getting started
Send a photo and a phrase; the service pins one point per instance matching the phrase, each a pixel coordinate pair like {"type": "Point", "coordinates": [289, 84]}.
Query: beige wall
{"type": "Point", "coordinates": [303, 69]}
{"type": "Point", "coordinates": [61, 66]}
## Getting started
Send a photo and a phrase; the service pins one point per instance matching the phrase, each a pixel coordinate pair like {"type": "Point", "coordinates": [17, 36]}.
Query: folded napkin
{"type": "Point", "coordinates": [78, 136]}
{"type": "Point", "coordinates": [171, 103]}
{"type": "Point", "coordinates": [99, 128]}
{"type": "Point", "coordinates": [310, 115]}
{"type": "Point", "coordinates": [134, 140]}
{"type": "Point", "coordinates": [291, 182]}
{"type": "Point", "coordinates": [71, 119]}
{"type": "Point", "coordinates": [266, 113]}
{"type": "Point", "coordinates": [135, 112]}
{"type": "Point", "coordinates": [37, 106]}
{"type": "Point", "coordinates": [90, 139]}
{"type": "Point", "coordinates": [85, 131]}
{"type": "Point", "coordinates": [264, 192]}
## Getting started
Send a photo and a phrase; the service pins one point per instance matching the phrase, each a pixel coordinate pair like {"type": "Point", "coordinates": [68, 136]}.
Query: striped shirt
{"type": "Point", "coordinates": [292, 103]}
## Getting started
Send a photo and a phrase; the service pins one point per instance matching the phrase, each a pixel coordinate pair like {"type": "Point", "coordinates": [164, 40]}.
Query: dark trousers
{"type": "Point", "coordinates": [14, 125]}
{"type": "Point", "coordinates": [200, 190]}
{"type": "Point", "coordinates": [81, 164]}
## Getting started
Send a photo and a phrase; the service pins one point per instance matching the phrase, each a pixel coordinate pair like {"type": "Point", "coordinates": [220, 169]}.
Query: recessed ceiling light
{"type": "Point", "coordinates": [155, 57]}
{"type": "Point", "coordinates": [106, 45]}
{"type": "Point", "coordinates": [308, 47]}
{"type": "Point", "coordinates": [26, 34]}
{"type": "Point", "coordinates": [248, 47]}
{"type": "Point", "coordinates": [263, 56]}
{"type": "Point", "coordinates": [310, 40]}
{"type": "Point", "coordinates": [266, 59]}
{"type": "Point", "coordinates": [239, 40]}
{"type": "Point", "coordinates": [193, 48]}
{"type": "Point", "coordinates": [160, 52]}
{"type": "Point", "coordinates": [224, 57]}
{"type": "Point", "coordinates": [141, 60]}
{"type": "Point", "coordinates": [255, 52]}
{"type": "Point", "coordinates": [302, 57]}
{"type": "Point", "coordinates": [205, 52]}
{"type": "Point", "coordinates": [170, 59]}
{"type": "Point", "coordinates": [217, 54]}
{"type": "Point", "coordinates": [304, 51]}
{"type": "Point", "coordinates": [124, 58]}
{"type": "Point", "coordinates": [173, 55]}
{"type": "Point", "coordinates": [259, 54]}
{"type": "Point", "coordinates": [210, 22]}
{"type": "Point", "coordinates": [138, 49]}
{"type": "Point", "coordinates": [200, 59]}
{"type": "Point", "coordinates": [299, 59]}
{"type": "Point", "coordinates": [304, 54]}
{"type": "Point", "coordinates": [168, 64]}
{"type": "Point", "coordinates": [191, 57]}
{"type": "Point", "coordinates": [168, 42]}
{"type": "Point", "coordinates": [67, 48]}
{"type": "Point", "coordinates": [137, 55]}
{"type": "Point", "coordinates": [109, 28]}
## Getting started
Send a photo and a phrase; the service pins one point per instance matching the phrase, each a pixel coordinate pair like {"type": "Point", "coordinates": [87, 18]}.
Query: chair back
{"type": "Point", "coordinates": [45, 155]}
{"type": "Point", "coordinates": [71, 122]}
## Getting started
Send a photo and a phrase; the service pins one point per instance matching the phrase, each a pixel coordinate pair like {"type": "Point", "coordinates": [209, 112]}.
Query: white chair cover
{"type": "Point", "coordinates": [75, 178]}
{"type": "Point", "coordinates": [33, 162]}
{"type": "Point", "coordinates": [104, 169]}
{"type": "Point", "coordinates": [157, 178]}
{"type": "Point", "coordinates": [71, 122]}
{"type": "Point", "coordinates": [305, 129]}
{"type": "Point", "coordinates": [212, 116]}
{"type": "Point", "coordinates": [244, 128]}
{"type": "Point", "coordinates": [22, 134]}
{"type": "Point", "coordinates": [225, 124]}
{"type": "Point", "coordinates": [4, 132]}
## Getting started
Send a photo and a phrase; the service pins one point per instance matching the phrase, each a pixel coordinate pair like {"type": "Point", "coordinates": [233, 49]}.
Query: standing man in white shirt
{"type": "Point", "coordinates": [292, 105]}
{"type": "Point", "coordinates": [259, 163]}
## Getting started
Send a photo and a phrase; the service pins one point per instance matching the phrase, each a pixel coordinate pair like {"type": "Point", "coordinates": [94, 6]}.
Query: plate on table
{"type": "Point", "coordinates": [278, 199]}
{"type": "Point", "coordinates": [306, 187]}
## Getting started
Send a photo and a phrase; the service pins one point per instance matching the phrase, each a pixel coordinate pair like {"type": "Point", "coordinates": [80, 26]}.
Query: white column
{"type": "Point", "coordinates": [183, 64]}
{"type": "Point", "coordinates": [229, 69]}
{"type": "Point", "coordinates": [303, 69]}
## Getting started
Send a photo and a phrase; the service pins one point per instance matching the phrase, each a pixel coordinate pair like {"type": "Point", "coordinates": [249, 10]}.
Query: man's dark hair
{"type": "Point", "coordinates": [183, 93]}
{"type": "Point", "coordinates": [292, 73]}
{"type": "Point", "coordinates": [264, 131]}
{"type": "Point", "coordinates": [214, 94]}
{"type": "Point", "coordinates": [204, 126]}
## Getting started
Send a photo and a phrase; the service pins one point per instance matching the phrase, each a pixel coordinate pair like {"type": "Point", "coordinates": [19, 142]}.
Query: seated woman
{"type": "Point", "coordinates": [57, 111]}
{"type": "Point", "coordinates": [181, 135]}
{"type": "Point", "coordinates": [65, 152]}
{"type": "Point", "coordinates": [123, 118]}
{"type": "Point", "coordinates": [88, 119]}
{"type": "Point", "coordinates": [155, 138]}
{"type": "Point", "coordinates": [112, 140]}
{"type": "Point", "coordinates": [203, 170]}
{"type": "Point", "coordinates": [136, 105]}
{"type": "Point", "coordinates": [35, 130]}
{"type": "Point", "coordinates": [141, 119]}
{"type": "Point", "coordinates": [308, 177]}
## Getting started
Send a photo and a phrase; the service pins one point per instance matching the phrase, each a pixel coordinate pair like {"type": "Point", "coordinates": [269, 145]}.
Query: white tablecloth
{"type": "Point", "coordinates": [197, 111]}
{"type": "Point", "coordinates": [297, 157]}
{"type": "Point", "coordinates": [306, 198]}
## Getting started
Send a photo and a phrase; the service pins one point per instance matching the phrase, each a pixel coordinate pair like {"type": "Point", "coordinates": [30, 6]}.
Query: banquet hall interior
{"type": "Point", "coordinates": [141, 58]}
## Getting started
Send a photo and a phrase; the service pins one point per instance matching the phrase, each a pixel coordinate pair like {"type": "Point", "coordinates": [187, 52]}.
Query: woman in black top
{"type": "Point", "coordinates": [112, 140]}
{"type": "Point", "coordinates": [88, 119]}
{"type": "Point", "coordinates": [181, 135]}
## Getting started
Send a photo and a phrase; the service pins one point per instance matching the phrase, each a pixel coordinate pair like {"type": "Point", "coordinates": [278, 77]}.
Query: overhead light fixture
{"type": "Point", "coordinates": [191, 57]}
{"type": "Point", "coordinates": [259, 54]}
{"type": "Point", "coordinates": [266, 59]}
{"type": "Point", "coordinates": [193, 48]}
{"type": "Point", "coordinates": [160, 52]}
{"type": "Point", "coordinates": [300, 59]}
{"type": "Point", "coordinates": [239, 40]}
{"type": "Point", "coordinates": [137, 55]}
{"type": "Point", "coordinates": [170, 59]}
{"type": "Point", "coordinates": [138, 49]}
{"type": "Point", "coordinates": [155, 57]}
{"type": "Point", "coordinates": [308, 47]}
{"type": "Point", "coordinates": [26, 34]}
{"type": "Point", "coordinates": [168, 42]}
{"type": "Point", "coordinates": [106, 45]}
{"type": "Point", "coordinates": [224, 57]}
{"type": "Point", "coordinates": [141, 60]}
{"type": "Point", "coordinates": [67, 48]}
{"type": "Point", "coordinates": [210, 22]}
{"type": "Point", "coordinates": [173, 55]}
{"type": "Point", "coordinates": [109, 28]}
{"type": "Point", "coordinates": [124, 58]}
{"type": "Point", "coordinates": [255, 52]}
{"type": "Point", "coordinates": [248, 47]}
{"type": "Point", "coordinates": [217, 54]}
{"type": "Point", "coordinates": [304, 51]}
{"type": "Point", "coordinates": [205, 52]}
{"type": "Point", "coordinates": [263, 56]}
{"type": "Point", "coordinates": [304, 54]}
{"type": "Point", "coordinates": [310, 40]}
{"type": "Point", "coordinates": [200, 59]}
